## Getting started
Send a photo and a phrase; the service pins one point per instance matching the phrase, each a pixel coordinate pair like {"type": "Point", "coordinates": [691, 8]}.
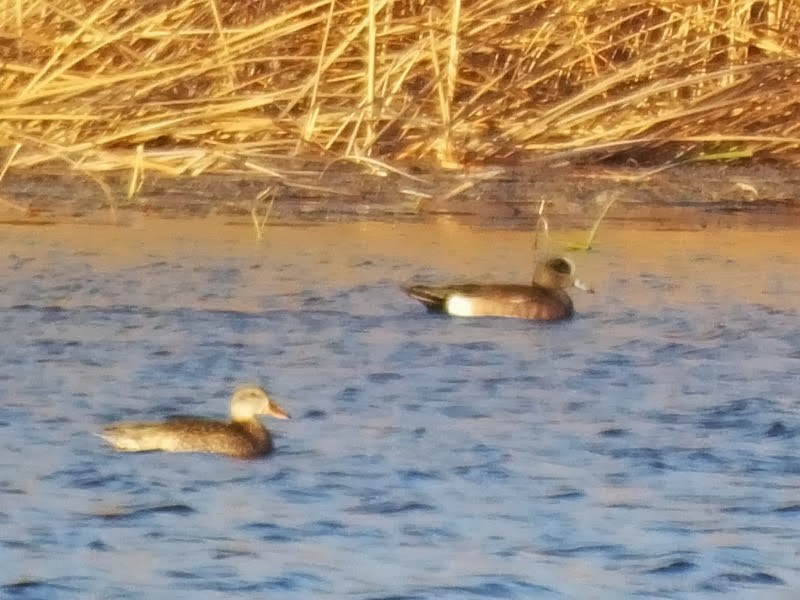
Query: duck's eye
{"type": "Point", "coordinates": [560, 265]}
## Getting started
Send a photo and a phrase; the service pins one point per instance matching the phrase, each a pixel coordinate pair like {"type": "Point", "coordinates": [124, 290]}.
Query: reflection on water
{"type": "Point", "coordinates": [650, 446]}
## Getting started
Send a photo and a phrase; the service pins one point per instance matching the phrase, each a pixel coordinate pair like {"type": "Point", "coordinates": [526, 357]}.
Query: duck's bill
{"type": "Point", "coordinates": [582, 286]}
{"type": "Point", "coordinates": [278, 412]}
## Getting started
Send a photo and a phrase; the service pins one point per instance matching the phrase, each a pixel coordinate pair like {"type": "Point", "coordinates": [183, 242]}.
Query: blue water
{"type": "Point", "coordinates": [648, 448]}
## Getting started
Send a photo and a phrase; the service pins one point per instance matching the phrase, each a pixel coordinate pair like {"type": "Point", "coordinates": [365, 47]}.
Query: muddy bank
{"type": "Point", "coordinates": [685, 198]}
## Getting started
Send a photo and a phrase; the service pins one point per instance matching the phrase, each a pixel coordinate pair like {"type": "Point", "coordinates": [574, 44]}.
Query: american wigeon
{"type": "Point", "coordinates": [543, 300]}
{"type": "Point", "coordinates": [243, 437]}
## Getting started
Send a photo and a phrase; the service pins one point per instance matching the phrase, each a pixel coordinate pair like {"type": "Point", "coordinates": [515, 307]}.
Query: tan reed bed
{"type": "Point", "coordinates": [192, 86]}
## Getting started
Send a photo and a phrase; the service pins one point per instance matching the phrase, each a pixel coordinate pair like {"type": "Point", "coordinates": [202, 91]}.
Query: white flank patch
{"type": "Point", "coordinates": [458, 306]}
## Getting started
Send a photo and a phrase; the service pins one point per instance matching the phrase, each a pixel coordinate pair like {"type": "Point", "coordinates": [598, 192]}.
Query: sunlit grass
{"type": "Point", "coordinates": [196, 85]}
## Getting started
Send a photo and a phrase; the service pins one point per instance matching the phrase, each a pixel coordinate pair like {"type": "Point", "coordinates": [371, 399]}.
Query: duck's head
{"type": "Point", "coordinates": [250, 401]}
{"type": "Point", "coordinates": [558, 273]}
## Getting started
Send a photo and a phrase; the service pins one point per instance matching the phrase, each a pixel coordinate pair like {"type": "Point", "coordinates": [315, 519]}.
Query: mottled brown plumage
{"type": "Point", "coordinates": [543, 300]}
{"type": "Point", "coordinates": [243, 437]}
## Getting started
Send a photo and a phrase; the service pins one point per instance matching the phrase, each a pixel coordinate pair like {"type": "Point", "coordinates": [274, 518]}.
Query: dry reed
{"type": "Point", "coordinates": [196, 85]}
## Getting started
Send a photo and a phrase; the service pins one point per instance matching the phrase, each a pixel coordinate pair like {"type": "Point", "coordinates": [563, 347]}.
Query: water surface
{"type": "Point", "coordinates": [647, 448]}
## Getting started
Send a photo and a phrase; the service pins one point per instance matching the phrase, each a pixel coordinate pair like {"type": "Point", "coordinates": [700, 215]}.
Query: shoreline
{"type": "Point", "coordinates": [686, 197]}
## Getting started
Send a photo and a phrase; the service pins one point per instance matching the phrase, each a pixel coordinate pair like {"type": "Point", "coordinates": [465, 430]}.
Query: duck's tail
{"type": "Point", "coordinates": [133, 437]}
{"type": "Point", "coordinates": [433, 298]}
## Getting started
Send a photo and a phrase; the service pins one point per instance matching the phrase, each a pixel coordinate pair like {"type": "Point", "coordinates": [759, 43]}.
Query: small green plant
{"type": "Point", "coordinates": [260, 221]}
{"type": "Point", "coordinates": [608, 199]}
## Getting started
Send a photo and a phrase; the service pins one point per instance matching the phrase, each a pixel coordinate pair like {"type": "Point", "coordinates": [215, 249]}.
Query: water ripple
{"type": "Point", "coordinates": [647, 448]}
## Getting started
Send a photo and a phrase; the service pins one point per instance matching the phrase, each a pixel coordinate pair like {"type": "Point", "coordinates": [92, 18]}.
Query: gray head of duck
{"type": "Point", "coordinates": [557, 274]}
{"type": "Point", "coordinates": [249, 401]}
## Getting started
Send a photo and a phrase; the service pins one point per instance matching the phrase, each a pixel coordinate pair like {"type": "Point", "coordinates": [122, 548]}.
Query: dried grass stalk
{"type": "Point", "coordinates": [90, 81]}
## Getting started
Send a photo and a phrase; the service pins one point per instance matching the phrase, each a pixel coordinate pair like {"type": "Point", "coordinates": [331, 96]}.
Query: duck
{"type": "Point", "coordinates": [244, 436]}
{"type": "Point", "coordinates": [545, 299]}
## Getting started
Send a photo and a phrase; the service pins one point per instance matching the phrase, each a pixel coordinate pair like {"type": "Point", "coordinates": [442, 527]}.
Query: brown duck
{"type": "Point", "coordinates": [545, 299]}
{"type": "Point", "coordinates": [243, 437]}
